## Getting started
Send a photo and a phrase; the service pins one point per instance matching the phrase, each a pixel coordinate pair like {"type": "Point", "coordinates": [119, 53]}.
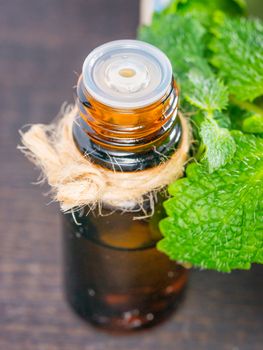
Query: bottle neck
{"type": "Point", "coordinates": [127, 139]}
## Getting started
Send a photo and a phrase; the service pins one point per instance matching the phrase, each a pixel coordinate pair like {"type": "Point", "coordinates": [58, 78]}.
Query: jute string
{"type": "Point", "coordinates": [76, 182]}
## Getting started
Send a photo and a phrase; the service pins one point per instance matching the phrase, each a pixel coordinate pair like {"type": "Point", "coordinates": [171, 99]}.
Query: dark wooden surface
{"type": "Point", "coordinates": [42, 42]}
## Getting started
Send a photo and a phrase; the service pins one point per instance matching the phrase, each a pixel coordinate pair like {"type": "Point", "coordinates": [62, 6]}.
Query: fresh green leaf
{"type": "Point", "coordinates": [216, 220]}
{"type": "Point", "coordinates": [238, 56]}
{"type": "Point", "coordinates": [220, 145]}
{"type": "Point", "coordinates": [208, 94]}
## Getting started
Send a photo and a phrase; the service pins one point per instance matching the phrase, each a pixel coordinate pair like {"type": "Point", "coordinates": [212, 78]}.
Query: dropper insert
{"type": "Point", "coordinates": [127, 74]}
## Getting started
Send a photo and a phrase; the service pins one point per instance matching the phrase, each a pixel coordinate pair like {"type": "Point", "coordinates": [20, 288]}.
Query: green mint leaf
{"type": "Point", "coordinates": [238, 55]}
{"type": "Point", "coordinates": [211, 96]}
{"type": "Point", "coordinates": [220, 145]}
{"type": "Point", "coordinates": [208, 94]}
{"type": "Point", "coordinates": [216, 220]}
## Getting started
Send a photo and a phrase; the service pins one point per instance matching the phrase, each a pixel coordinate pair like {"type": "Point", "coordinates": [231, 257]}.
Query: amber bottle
{"type": "Point", "coordinates": [115, 277]}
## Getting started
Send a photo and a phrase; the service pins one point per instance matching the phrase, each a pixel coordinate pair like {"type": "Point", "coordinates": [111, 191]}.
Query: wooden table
{"type": "Point", "coordinates": [42, 43]}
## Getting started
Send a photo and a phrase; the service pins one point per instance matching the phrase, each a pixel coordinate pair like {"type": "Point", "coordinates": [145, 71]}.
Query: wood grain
{"type": "Point", "coordinates": [42, 43]}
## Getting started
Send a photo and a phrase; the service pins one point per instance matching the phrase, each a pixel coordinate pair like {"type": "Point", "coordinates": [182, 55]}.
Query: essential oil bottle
{"type": "Point", "coordinates": [115, 277]}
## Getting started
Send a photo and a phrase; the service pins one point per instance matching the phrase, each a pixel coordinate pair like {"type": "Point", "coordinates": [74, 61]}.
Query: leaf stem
{"type": "Point", "coordinates": [200, 153]}
{"type": "Point", "coordinates": [251, 107]}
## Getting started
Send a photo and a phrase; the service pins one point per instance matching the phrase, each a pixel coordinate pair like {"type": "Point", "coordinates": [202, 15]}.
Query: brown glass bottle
{"type": "Point", "coordinates": [115, 277]}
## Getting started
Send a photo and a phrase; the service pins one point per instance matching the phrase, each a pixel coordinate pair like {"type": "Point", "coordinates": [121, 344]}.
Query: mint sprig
{"type": "Point", "coordinates": [215, 217]}
{"type": "Point", "coordinates": [210, 95]}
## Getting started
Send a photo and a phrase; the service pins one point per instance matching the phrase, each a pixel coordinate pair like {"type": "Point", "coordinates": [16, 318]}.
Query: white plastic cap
{"type": "Point", "coordinates": [127, 74]}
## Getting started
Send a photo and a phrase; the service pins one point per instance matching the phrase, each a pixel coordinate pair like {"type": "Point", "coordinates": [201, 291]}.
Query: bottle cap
{"type": "Point", "coordinates": [127, 74]}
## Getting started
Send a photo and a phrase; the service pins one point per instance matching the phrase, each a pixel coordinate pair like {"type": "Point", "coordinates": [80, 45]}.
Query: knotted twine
{"type": "Point", "coordinates": [76, 181]}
